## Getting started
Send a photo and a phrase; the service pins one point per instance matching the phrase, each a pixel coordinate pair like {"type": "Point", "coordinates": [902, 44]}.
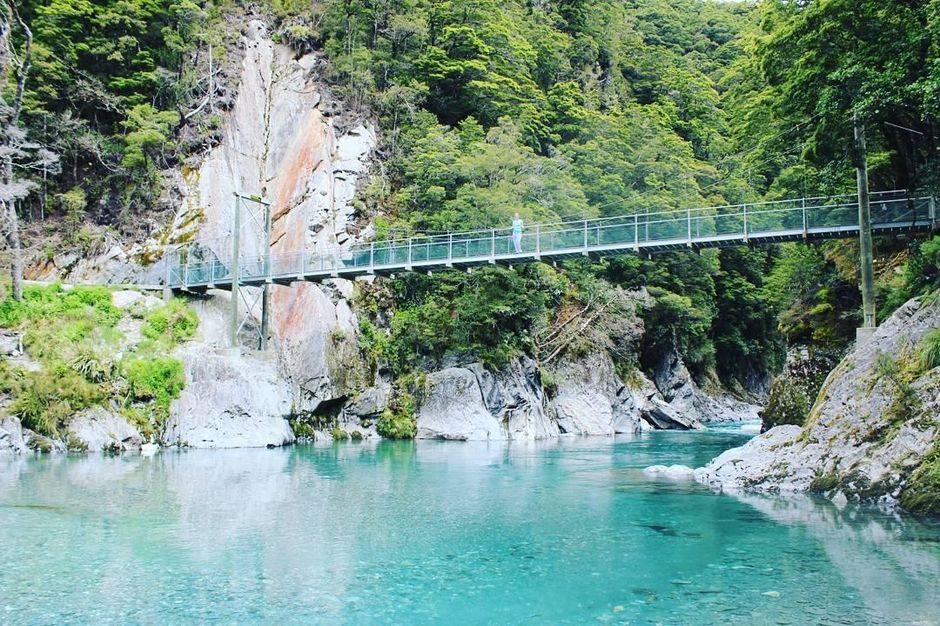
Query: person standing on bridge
{"type": "Point", "coordinates": [517, 232]}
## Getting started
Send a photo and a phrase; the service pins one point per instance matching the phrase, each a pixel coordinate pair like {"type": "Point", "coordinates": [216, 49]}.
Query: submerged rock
{"type": "Point", "coordinates": [876, 419]}
{"type": "Point", "coordinates": [672, 472]}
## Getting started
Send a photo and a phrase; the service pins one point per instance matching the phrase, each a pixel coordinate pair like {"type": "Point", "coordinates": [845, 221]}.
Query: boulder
{"type": "Point", "coordinates": [11, 436]}
{"type": "Point", "coordinates": [672, 472]}
{"type": "Point", "coordinates": [663, 416]}
{"type": "Point", "coordinates": [230, 401]}
{"type": "Point", "coordinates": [134, 300]}
{"type": "Point", "coordinates": [453, 408]}
{"type": "Point", "coordinates": [98, 429]}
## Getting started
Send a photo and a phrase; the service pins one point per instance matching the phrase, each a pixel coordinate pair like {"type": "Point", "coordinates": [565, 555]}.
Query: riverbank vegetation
{"type": "Point", "coordinates": [79, 350]}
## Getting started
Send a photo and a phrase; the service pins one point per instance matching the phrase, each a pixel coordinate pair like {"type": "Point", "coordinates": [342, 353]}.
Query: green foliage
{"type": "Point", "coordinates": [489, 313]}
{"type": "Point", "coordinates": [339, 434]}
{"type": "Point", "coordinates": [159, 379]}
{"type": "Point", "coordinates": [920, 276]}
{"type": "Point", "coordinates": [54, 302]}
{"type": "Point", "coordinates": [173, 323]}
{"type": "Point", "coordinates": [675, 324]}
{"type": "Point", "coordinates": [921, 494]}
{"type": "Point", "coordinates": [787, 404]}
{"type": "Point", "coordinates": [393, 424]}
{"type": "Point", "coordinates": [47, 399]}
{"type": "Point", "coordinates": [928, 350]}
{"type": "Point", "coordinates": [397, 421]}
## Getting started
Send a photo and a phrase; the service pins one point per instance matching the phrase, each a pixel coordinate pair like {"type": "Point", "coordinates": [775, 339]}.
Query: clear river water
{"type": "Point", "coordinates": [561, 532]}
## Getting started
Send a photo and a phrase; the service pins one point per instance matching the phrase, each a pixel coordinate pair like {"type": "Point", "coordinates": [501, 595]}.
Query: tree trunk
{"type": "Point", "coordinates": [13, 222]}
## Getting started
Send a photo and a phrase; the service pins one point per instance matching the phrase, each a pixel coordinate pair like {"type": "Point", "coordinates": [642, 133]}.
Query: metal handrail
{"type": "Point", "coordinates": [741, 221]}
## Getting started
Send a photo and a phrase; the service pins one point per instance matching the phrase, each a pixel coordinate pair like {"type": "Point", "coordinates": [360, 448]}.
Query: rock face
{"type": "Point", "coordinates": [283, 142]}
{"type": "Point", "coordinates": [793, 392]}
{"type": "Point", "coordinates": [97, 430]}
{"type": "Point", "coordinates": [11, 436]}
{"type": "Point", "coordinates": [470, 402]}
{"type": "Point", "coordinates": [869, 429]}
{"type": "Point", "coordinates": [674, 381]}
{"type": "Point", "coordinates": [230, 401]}
{"type": "Point", "coordinates": [454, 408]}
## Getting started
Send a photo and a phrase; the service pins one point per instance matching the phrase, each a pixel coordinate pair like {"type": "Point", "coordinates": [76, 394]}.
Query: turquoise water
{"type": "Point", "coordinates": [567, 532]}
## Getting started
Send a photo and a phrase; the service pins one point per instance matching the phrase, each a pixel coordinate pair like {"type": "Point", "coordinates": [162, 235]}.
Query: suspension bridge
{"type": "Point", "coordinates": [197, 267]}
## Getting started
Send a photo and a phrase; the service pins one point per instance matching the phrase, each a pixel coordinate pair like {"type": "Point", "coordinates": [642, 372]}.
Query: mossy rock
{"type": "Point", "coordinates": [921, 494]}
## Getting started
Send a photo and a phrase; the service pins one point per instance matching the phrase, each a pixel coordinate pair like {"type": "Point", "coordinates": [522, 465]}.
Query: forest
{"type": "Point", "coordinates": [550, 108]}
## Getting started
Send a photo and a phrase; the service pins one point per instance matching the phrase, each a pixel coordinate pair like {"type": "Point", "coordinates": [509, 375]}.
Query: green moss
{"type": "Point", "coordinates": [356, 435]}
{"type": "Point", "coordinates": [824, 483]}
{"type": "Point", "coordinates": [921, 494]}
{"type": "Point", "coordinates": [339, 434]}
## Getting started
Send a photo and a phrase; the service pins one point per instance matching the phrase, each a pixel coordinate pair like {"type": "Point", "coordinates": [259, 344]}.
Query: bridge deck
{"type": "Point", "coordinates": [804, 219]}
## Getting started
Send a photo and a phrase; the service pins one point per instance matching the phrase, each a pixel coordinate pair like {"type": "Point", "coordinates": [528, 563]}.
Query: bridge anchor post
{"type": "Point", "coordinates": [864, 230]}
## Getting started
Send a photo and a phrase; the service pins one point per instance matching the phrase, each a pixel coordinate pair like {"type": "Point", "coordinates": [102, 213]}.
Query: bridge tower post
{"type": "Point", "coordinates": [236, 270]}
{"type": "Point", "coordinates": [266, 289]}
{"type": "Point", "coordinates": [167, 290]}
{"type": "Point", "coordinates": [864, 230]}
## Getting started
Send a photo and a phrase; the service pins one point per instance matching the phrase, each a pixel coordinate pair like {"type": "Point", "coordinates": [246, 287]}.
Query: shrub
{"type": "Point", "coordinates": [397, 421]}
{"type": "Point", "coordinates": [44, 302]}
{"type": "Point", "coordinates": [173, 321]}
{"type": "Point", "coordinates": [928, 350]}
{"type": "Point", "coordinates": [339, 434]}
{"type": "Point", "coordinates": [396, 425]}
{"type": "Point", "coordinates": [159, 379]}
{"type": "Point", "coordinates": [45, 401]}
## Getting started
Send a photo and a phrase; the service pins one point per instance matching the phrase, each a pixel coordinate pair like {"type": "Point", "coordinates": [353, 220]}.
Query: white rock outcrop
{"type": "Point", "coordinates": [858, 442]}
{"type": "Point", "coordinates": [11, 436]}
{"type": "Point", "coordinates": [97, 430]}
{"type": "Point", "coordinates": [230, 401]}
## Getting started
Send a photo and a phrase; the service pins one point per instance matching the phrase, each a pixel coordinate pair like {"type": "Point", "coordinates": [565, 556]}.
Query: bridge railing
{"type": "Point", "coordinates": [672, 227]}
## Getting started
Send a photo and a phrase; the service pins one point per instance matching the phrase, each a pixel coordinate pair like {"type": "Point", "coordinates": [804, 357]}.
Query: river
{"type": "Point", "coordinates": [560, 532]}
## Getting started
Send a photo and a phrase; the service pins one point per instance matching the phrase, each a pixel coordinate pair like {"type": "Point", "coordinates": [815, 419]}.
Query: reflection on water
{"type": "Point", "coordinates": [566, 531]}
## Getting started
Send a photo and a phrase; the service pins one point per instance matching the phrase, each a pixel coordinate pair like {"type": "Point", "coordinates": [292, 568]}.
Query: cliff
{"type": "Point", "coordinates": [872, 433]}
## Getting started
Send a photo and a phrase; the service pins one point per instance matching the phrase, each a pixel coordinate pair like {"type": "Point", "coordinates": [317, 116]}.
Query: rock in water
{"type": "Point", "coordinates": [98, 429]}
{"type": "Point", "coordinates": [454, 408]}
{"type": "Point", "coordinates": [230, 401]}
{"type": "Point", "coordinates": [11, 436]}
{"type": "Point", "coordinates": [672, 472]}
{"type": "Point", "coordinates": [875, 420]}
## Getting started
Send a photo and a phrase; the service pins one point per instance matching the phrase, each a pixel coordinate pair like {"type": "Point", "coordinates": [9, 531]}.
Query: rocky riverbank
{"type": "Point", "coordinates": [872, 434]}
